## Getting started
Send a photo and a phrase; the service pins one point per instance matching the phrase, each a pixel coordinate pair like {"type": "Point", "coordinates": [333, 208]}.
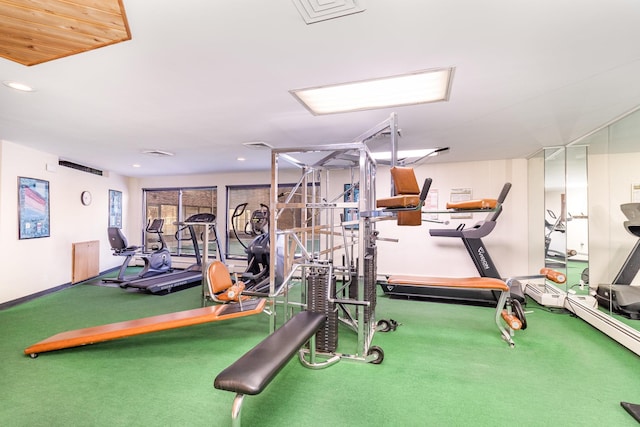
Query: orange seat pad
{"type": "Point", "coordinates": [145, 325]}
{"type": "Point", "coordinates": [450, 282]}
{"type": "Point", "coordinates": [474, 204]}
{"type": "Point", "coordinates": [401, 201]}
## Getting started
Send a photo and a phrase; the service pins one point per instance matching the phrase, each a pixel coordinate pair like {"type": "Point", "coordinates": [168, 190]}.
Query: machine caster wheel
{"type": "Point", "coordinates": [378, 353]}
{"type": "Point", "coordinates": [387, 325]}
{"type": "Point", "coordinates": [33, 355]}
{"type": "Point", "coordinates": [384, 325]}
{"type": "Point", "coordinates": [519, 313]}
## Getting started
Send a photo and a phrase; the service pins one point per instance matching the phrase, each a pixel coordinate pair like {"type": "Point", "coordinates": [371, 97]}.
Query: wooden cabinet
{"type": "Point", "coordinates": [86, 260]}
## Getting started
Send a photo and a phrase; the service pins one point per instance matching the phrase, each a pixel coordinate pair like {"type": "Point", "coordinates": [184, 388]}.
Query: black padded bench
{"type": "Point", "coordinates": [254, 371]}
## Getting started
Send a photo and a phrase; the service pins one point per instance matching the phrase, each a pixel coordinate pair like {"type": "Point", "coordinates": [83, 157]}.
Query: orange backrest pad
{"type": "Point", "coordinates": [219, 277]}
{"type": "Point", "coordinates": [404, 180]}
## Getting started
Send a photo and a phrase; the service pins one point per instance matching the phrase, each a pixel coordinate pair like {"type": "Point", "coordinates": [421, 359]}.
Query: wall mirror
{"type": "Point", "coordinates": [555, 236]}
{"type": "Point", "coordinates": [614, 157]}
{"type": "Point", "coordinates": [586, 198]}
{"type": "Point", "coordinates": [576, 218]}
{"type": "Point", "coordinates": [584, 185]}
{"type": "Point", "coordinates": [566, 230]}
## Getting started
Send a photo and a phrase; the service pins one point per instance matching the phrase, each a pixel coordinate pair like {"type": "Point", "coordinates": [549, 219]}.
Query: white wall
{"type": "Point", "coordinates": [34, 265]}
{"type": "Point", "coordinates": [415, 253]}
{"type": "Point", "coordinates": [536, 212]}
{"type": "Point", "coordinates": [419, 253]}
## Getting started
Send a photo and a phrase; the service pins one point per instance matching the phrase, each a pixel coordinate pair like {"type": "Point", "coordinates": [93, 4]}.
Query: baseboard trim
{"type": "Point", "coordinates": [31, 297]}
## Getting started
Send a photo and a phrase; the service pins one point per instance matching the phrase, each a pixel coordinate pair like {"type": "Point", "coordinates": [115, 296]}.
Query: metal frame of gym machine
{"type": "Point", "coordinates": [346, 293]}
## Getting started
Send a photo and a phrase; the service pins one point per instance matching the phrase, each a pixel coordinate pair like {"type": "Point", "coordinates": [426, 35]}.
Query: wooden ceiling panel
{"type": "Point", "coordinates": [36, 31]}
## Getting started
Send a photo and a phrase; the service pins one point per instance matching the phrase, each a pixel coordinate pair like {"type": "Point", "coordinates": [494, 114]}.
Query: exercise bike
{"type": "Point", "coordinates": [156, 262]}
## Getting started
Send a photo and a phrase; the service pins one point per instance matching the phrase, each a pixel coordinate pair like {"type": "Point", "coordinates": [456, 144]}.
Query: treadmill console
{"type": "Point", "coordinates": [201, 217]}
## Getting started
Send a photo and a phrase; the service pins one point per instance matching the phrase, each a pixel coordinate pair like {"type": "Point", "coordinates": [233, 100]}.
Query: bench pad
{"type": "Point", "coordinates": [162, 322]}
{"type": "Point", "coordinates": [401, 201]}
{"type": "Point", "coordinates": [404, 180]}
{"type": "Point", "coordinates": [451, 282]}
{"type": "Point", "coordinates": [254, 371]}
{"type": "Point", "coordinates": [473, 204]}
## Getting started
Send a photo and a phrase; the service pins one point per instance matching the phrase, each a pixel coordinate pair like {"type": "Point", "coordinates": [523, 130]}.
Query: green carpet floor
{"type": "Point", "coordinates": [444, 366]}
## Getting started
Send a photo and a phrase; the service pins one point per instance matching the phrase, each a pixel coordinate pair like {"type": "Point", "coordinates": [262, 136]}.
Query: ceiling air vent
{"type": "Point", "coordinates": [321, 10]}
{"type": "Point", "coordinates": [83, 168]}
{"type": "Point", "coordinates": [258, 145]}
{"type": "Point", "coordinates": [158, 153]}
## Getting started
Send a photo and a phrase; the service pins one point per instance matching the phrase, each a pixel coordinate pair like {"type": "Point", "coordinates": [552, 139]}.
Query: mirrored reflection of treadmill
{"type": "Point", "coordinates": [621, 297]}
{"type": "Point", "coordinates": [472, 239]}
{"type": "Point", "coordinates": [180, 279]}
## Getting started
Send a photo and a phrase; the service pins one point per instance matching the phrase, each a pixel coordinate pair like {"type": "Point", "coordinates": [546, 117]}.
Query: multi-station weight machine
{"type": "Point", "coordinates": [315, 244]}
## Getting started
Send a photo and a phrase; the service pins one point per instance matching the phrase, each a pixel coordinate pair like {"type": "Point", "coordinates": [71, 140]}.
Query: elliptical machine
{"type": "Point", "coordinates": [256, 276]}
{"type": "Point", "coordinates": [156, 262]}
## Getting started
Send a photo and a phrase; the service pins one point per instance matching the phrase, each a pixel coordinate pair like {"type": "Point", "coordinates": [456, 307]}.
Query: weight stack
{"type": "Point", "coordinates": [370, 278]}
{"type": "Point", "coordinates": [327, 336]}
{"type": "Point", "coordinates": [353, 283]}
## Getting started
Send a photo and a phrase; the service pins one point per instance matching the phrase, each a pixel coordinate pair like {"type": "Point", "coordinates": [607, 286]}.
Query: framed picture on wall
{"type": "Point", "coordinates": [115, 208]}
{"type": "Point", "coordinates": [33, 208]}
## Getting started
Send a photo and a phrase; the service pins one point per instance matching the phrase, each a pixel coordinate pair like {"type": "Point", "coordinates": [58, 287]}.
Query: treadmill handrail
{"type": "Point", "coordinates": [481, 229]}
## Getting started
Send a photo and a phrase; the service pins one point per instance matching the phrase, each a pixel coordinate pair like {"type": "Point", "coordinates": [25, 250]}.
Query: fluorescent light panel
{"type": "Point", "coordinates": [408, 89]}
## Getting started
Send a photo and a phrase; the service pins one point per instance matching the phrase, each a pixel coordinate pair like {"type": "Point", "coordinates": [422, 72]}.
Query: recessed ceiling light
{"type": "Point", "coordinates": [241, 159]}
{"type": "Point", "coordinates": [407, 89]}
{"type": "Point", "coordinates": [136, 165]}
{"type": "Point", "coordinates": [18, 86]}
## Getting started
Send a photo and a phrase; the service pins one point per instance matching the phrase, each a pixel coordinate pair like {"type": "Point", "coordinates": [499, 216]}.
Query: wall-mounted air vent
{"type": "Point", "coordinates": [80, 167]}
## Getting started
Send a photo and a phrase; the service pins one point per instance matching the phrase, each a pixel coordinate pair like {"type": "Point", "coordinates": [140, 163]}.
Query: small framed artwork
{"type": "Point", "coordinates": [115, 208]}
{"type": "Point", "coordinates": [33, 208]}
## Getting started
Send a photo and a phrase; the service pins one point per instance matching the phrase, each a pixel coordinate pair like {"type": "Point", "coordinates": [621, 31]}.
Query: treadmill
{"type": "Point", "coordinates": [621, 297]}
{"type": "Point", "coordinates": [181, 279]}
{"type": "Point", "coordinates": [472, 239]}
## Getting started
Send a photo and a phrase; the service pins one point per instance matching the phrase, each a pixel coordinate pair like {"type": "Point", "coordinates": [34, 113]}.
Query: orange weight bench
{"type": "Point", "coordinates": [505, 319]}
{"type": "Point", "coordinates": [409, 198]}
{"type": "Point", "coordinates": [222, 288]}
{"type": "Point", "coordinates": [509, 315]}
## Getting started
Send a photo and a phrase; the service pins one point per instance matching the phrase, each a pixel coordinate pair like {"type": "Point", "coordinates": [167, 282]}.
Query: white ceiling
{"type": "Point", "coordinates": [199, 78]}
